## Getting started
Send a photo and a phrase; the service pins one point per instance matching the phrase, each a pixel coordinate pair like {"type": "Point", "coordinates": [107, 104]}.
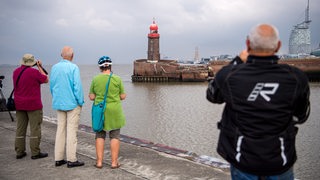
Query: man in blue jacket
{"type": "Point", "coordinates": [264, 101]}
{"type": "Point", "coordinates": [67, 99]}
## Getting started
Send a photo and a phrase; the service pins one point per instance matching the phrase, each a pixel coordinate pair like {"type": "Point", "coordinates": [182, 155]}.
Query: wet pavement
{"type": "Point", "coordinates": [139, 159]}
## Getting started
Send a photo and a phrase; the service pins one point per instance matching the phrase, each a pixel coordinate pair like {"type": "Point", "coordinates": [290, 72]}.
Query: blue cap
{"type": "Point", "coordinates": [105, 61]}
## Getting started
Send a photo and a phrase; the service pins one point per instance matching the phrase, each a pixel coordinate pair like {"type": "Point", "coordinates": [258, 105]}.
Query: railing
{"type": "Point", "coordinates": [149, 79]}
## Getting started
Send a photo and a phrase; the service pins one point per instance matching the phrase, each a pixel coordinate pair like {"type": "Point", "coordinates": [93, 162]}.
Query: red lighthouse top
{"type": "Point", "coordinates": [153, 30]}
{"type": "Point", "coordinates": [153, 26]}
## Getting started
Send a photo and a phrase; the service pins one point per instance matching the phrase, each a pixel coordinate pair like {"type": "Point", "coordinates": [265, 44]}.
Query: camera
{"type": "Point", "coordinates": [44, 70]}
{"type": "Point", "coordinates": [1, 78]}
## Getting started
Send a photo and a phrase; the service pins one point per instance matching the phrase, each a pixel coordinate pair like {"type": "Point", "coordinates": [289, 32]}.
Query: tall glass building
{"type": "Point", "coordinates": [300, 40]}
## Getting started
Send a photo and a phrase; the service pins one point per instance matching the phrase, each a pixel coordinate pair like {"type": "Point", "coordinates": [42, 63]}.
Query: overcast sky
{"type": "Point", "coordinates": [119, 28]}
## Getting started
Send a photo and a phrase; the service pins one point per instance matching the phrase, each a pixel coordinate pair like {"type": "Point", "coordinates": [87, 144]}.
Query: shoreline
{"type": "Point", "coordinates": [202, 159]}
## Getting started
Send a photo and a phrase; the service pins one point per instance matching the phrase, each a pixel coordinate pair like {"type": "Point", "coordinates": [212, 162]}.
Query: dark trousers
{"type": "Point", "coordinates": [236, 174]}
{"type": "Point", "coordinates": [35, 120]}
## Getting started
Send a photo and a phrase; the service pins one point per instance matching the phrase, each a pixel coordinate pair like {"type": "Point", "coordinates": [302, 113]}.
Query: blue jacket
{"type": "Point", "coordinates": [65, 86]}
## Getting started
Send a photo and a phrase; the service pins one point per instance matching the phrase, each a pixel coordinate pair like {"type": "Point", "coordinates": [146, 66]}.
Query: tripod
{"type": "Point", "coordinates": [3, 106]}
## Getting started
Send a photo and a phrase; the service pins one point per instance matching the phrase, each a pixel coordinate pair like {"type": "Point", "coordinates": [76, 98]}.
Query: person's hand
{"type": "Point", "coordinates": [92, 96]}
{"type": "Point", "coordinates": [39, 63]}
{"type": "Point", "coordinates": [244, 55]}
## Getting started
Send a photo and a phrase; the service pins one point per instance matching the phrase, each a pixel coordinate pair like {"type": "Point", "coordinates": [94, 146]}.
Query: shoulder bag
{"type": "Point", "coordinates": [97, 111]}
{"type": "Point", "coordinates": [10, 104]}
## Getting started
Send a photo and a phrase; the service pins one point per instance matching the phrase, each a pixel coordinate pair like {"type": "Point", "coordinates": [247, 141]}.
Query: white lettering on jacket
{"type": "Point", "coordinates": [264, 89]}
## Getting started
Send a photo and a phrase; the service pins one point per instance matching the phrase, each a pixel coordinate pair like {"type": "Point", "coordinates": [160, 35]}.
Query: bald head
{"type": "Point", "coordinates": [263, 38]}
{"type": "Point", "coordinates": [67, 53]}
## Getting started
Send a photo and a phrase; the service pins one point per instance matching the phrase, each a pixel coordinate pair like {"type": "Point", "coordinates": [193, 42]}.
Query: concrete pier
{"type": "Point", "coordinates": [139, 159]}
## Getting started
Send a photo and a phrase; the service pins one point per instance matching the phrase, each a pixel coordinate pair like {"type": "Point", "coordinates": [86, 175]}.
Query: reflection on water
{"type": "Point", "coordinates": [178, 115]}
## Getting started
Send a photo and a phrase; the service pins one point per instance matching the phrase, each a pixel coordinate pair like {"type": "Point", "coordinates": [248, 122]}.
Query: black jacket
{"type": "Point", "coordinates": [263, 102]}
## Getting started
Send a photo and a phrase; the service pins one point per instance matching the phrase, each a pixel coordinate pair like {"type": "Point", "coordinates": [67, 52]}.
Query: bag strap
{"type": "Point", "coordinates": [105, 95]}
{"type": "Point", "coordinates": [18, 80]}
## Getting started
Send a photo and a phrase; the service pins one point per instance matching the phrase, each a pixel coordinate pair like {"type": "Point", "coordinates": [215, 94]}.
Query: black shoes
{"type": "Point", "coordinates": [40, 155]}
{"type": "Point", "coordinates": [74, 164]}
{"type": "Point", "coordinates": [61, 162]}
{"type": "Point", "coordinates": [69, 164]}
{"type": "Point", "coordinates": [21, 155]}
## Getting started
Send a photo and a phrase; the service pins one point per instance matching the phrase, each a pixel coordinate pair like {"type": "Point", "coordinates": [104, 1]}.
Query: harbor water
{"type": "Point", "coordinates": [178, 115]}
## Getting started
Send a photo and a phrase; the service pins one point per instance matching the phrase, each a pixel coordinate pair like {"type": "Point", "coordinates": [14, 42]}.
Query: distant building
{"type": "Point", "coordinates": [205, 60]}
{"type": "Point", "coordinates": [300, 40]}
{"type": "Point", "coordinates": [225, 57]}
{"type": "Point", "coordinates": [316, 52]}
{"type": "Point", "coordinates": [196, 56]}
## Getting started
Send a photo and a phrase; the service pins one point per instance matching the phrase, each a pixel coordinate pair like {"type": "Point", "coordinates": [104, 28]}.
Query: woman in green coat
{"type": "Point", "coordinates": [114, 116]}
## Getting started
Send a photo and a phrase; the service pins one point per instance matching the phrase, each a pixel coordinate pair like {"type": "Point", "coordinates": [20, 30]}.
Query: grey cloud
{"type": "Point", "coordinates": [120, 28]}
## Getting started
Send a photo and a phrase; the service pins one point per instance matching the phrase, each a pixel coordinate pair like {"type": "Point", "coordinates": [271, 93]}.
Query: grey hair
{"type": "Point", "coordinates": [67, 52]}
{"type": "Point", "coordinates": [264, 37]}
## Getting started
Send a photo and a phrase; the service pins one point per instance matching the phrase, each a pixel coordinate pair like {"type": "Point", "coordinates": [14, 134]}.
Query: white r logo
{"type": "Point", "coordinates": [258, 89]}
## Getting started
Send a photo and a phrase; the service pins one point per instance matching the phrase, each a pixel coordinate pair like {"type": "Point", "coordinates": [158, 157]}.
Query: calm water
{"type": "Point", "coordinates": [178, 115]}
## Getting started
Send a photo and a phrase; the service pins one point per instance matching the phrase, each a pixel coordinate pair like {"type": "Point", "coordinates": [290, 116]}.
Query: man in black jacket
{"type": "Point", "coordinates": [264, 101]}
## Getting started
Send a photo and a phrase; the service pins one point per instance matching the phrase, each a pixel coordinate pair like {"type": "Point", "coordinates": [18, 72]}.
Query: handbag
{"type": "Point", "coordinates": [10, 103]}
{"type": "Point", "coordinates": [97, 111]}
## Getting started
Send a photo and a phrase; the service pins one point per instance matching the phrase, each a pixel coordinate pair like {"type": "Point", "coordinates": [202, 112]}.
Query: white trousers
{"type": "Point", "coordinates": [66, 135]}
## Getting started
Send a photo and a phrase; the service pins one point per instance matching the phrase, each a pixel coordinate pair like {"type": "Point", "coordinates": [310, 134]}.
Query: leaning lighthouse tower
{"type": "Point", "coordinates": [153, 43]}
